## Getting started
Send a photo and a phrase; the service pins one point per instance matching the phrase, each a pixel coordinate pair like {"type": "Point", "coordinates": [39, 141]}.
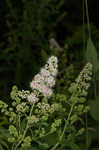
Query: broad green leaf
{"type": "Point", "coordinates": [91, 55]}
{"type": "Point", "coordinates": [51, 139]}
{"type": "Point", "coordinates": [94, 111]}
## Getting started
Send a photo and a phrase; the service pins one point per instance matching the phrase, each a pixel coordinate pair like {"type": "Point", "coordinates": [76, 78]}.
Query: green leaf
{"type": "Point", "coordinates": [30, 148]}
{"type": "Point", "coordinates": [82, 146]}
{"type": "Point", "coordinates": [4, 144]}
{"type": "Point", "coordinates": [51, 139]}
{"type": "Point", "coordinates": [34, 148]}
{"type": "Point", "coordinates": [91, 55]}
{"type": "Point", "coordinates": [71, 144]}
{"type": "Point", "coordinates": [75, 147]}
{"type": "Point", "coordinates": [4, 138]}
{"type": "Point", "coordinates": [94, 108]}
{"type": "Point", "coordinates": [1, 148]}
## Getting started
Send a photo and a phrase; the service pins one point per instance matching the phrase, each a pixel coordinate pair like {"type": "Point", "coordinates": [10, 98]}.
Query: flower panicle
{"type": "Point", "coordinates": [45, 80]}
{"type": "Point", "coordinates": [82, 84]}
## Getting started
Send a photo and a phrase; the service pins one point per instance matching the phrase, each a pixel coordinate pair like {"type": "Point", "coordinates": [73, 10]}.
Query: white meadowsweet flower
{"type": "Point", "coordinates": [32, 84]}
{"type": "Point", "coordinates": [50, 81]}
{"type": "Point", "coordinates": [45, 80]}
{"type": "Point", "coordinates": [52, 59]}
{"type": "Point", "coordinates": [47, 92]}
{"type": "Point", "coordinates": [54, 72]}
{"type": "Point", "coordinates": [35, 85]}
{"type": "Point", "coordinates": [32, 98]}
{"type": "Point", "coordinates": [44, 72]}
{"type": "Point", "coordinates": [39, 78]}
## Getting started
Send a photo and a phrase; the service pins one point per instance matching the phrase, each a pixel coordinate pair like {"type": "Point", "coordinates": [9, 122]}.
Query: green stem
{"type": "Point", "coordinates": [25, 131]}
{"type": "Point", "coordinates": [84, 27]}
{"type": "Point", "coordinates": [66, 123]}
{"type": "Point", "coordinates": [86, 133]}
{"type": "Point", "coordinates": [89, 31]}
{"type": "Point", "coordinates": [19, 122]}
{"type": "Point", "coordinates": [13, 146]}
{"type": "Point", "coordinates": [44, 135]}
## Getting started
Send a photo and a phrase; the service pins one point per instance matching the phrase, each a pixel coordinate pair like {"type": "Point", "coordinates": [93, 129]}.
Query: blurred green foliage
{"type": "Point", "coordinates": [29, 24]}
{"type": "Point", "coordinates": [27, 27]}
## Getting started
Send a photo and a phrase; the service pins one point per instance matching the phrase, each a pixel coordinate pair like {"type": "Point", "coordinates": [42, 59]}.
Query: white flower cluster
{"type": "Point", "coordinates": [23, 94]}
{"type": "Point", "coordinates": [22, 108]}
{"type": "Point", "coordinates": [45, 80]}
{"type": "Point", "coordinates": [32, 119]}
{"type": "Point", "coordinates": [47, 108]}
{"type": "Point", "coordinates": [32, 98]}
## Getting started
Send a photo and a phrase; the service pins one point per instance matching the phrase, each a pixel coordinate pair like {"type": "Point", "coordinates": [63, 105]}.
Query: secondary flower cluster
{"type": "Point", "coordinates": [44, 81]}
{"type": "Point", "coordinates": [84, 77]}
{"type": "Point", "coordinates": [32, 98]}
{"type": "Point", "coordinates": [44, 108]}
{"type": "Point", "coordinates": [82, 84]}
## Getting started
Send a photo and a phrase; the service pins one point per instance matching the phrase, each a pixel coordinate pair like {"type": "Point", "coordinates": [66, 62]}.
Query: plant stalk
{"type": "Point", "coordinates": [66, 123]}
{"type": "Point", "coordinates": [25, 131]}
